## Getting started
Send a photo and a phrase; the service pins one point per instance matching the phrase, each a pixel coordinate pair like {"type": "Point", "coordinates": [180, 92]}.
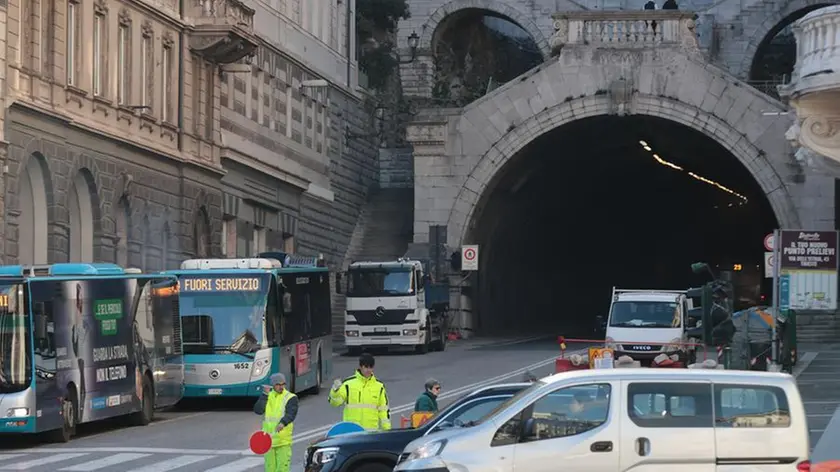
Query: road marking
{"type": "Point", "coordinates": [239, 466]}
{"type": "Point", "coordinates": [26, 465]}
{"type": "Point", "coordinates": [313, 433]}
{"type": "Point", "coordinates": [172, 464]}
{"type": "Point", "coordinates": [177, 418]}
{"type": "Point", "coordinates": [105, 462]}
{"type": "Point", "coordinates": [140, 450]}
{"type": "Point", "coordinates": [5, 457]}
{"type": "Point", "coordinates": [803, 363]}
{"type": "Point", "coordinates": [820, 415]}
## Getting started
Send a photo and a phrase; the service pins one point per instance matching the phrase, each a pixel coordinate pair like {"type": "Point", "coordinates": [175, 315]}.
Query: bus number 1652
{"type": "Point", "coordinates": [241, 366]}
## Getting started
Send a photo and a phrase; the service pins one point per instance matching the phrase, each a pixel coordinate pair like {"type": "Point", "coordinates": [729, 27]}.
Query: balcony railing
{"type": "Point", "coordinates": [224, 30]}
{"type": "Point", "coordinates": [769, 87]}
{"type": "Point", "coordinates": [223, 12]}
{"type": "Point", "coordinates": [624, 29]}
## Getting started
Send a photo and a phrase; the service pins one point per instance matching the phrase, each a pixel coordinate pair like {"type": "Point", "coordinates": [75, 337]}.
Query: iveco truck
{"type": "Point", "coordinates": [394, 304]}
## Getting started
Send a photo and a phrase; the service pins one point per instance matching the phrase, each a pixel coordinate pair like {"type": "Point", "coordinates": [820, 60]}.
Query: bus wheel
{"type": "Point", "coordinates": [318, 373]}
{"type": "Point", "coordinates": [68, 430]}
{"type": "Point", "coordinates": [147, 405]}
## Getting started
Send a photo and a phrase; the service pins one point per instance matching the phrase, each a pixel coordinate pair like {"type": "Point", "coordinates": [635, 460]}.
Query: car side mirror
{"type": "Point", "coordinates": [444, 425]}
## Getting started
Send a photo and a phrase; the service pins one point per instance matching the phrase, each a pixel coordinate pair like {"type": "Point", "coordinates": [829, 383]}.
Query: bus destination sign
{"type": "Point", "coordinates": [228, 284]}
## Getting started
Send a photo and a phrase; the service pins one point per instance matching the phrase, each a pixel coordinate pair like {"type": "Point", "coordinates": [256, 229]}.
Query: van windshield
{"type": "Point", "coordinates": [647, 314]}
{"type": "Point", "coordinates": [510, 401]}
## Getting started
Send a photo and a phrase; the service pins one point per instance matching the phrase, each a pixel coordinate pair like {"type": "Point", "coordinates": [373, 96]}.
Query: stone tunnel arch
{"type": "Point", "coordinates": [759, 33]}
{"type": "Point", "coordinates": [551, 104]}
{"type": "Point", "coordinates": [501, 8]}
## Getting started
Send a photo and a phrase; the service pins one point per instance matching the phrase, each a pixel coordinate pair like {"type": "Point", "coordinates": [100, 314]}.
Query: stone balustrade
{"type": "Point", "coordinates": [814, 90]}
{"type": "Point", "coordinates": [223, 31]}
{"type": "Point", "coordinates": [223, 12]}
{"type": "Point", "coordinates": [624, 29]}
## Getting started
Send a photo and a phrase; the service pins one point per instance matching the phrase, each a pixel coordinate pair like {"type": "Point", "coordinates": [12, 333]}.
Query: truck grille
{"type": "Point", "coordinates": [640, 347]}
{"type": "Point", "coordinates": [369, 317]}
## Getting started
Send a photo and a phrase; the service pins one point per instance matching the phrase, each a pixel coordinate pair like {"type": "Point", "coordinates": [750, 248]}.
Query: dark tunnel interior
{"type": "Point", "coordinates": [586, 207]}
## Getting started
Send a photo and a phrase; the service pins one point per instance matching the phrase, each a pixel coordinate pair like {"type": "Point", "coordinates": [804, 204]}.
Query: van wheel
{"type": "Point", "coordinates": [374, 467]}
{"type": "Point", "coordinates": [147, 405]}
{"type": "Point", "coordinates": [68, 429]}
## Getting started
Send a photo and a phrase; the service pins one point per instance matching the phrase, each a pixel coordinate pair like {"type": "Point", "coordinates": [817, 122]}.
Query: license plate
{"type": "Point", "coordinates": [214, 391]}
{"type": "Point", "coordinates": [381, 339]}
{"type": "Point", "coordinates": [380, 330]}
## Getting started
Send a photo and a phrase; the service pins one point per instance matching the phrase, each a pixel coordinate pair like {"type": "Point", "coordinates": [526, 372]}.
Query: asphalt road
{"type": "Point", "coordinates": [214, 437]}
{"type": "Point", "coordinates": [819, 385]}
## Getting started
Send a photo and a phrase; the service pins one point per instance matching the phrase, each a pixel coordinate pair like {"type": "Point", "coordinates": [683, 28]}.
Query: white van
{"type": "Point", "coordinates": [640, 420]}
{"type": "Point", "coordinates": [645, 323]}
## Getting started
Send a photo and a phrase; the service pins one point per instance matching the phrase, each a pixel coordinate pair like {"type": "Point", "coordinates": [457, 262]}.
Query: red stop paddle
{"type": "Point", "coordinates": [260, 443]}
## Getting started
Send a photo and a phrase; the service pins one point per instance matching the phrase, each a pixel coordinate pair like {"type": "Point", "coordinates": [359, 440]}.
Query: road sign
{"type": "Point", "coordinates": [769, 241]}
{"type": "Point", "coordinates": [469, 257]}
{"type": "Point", "coordinates": [768, 265]}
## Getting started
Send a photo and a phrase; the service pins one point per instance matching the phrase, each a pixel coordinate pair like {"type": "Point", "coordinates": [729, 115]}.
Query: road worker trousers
{"type": "Point", "coordinates": [278, 459]}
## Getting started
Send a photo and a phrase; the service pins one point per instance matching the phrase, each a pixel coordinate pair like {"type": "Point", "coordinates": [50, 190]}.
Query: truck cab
{"type": "Point", "coordinates": [643, 324]}
{"type": "Point", "coordinates": [392, 304]}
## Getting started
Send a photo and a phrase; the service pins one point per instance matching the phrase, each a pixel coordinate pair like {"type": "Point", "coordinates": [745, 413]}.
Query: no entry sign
{"type": "Point", "coordinates": [469, 257]}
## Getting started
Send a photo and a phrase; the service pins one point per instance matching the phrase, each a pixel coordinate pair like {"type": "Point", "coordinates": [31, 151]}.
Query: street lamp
{"type": "Point", "coordinates": [413, 42]}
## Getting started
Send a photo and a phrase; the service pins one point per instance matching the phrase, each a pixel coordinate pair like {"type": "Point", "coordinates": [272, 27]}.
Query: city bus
{"type": "Point", "coordinates": [246, 319]}
{"type": "Point", "coordinates": [85, 342]}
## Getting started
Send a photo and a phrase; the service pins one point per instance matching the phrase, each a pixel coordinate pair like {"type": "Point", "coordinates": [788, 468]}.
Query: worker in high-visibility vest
{"type": "Point", "coordinates": [363, 396]}
{"type": "Point", "coordinates": [279, 407]}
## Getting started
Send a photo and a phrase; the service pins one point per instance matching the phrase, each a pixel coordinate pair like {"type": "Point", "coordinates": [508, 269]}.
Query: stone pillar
{"type": "Point", "coordinates": [418, 76]}
{"type": "Point", "coordinates": [427, 135]}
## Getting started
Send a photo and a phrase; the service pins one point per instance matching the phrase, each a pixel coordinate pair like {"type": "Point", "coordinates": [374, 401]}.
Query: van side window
{"type": "Point", "coordinates": [670, 405]}
{"type": "Point", "coordinates": [563, 413]}
{"type": "Point", "coordinates": [751, 406]}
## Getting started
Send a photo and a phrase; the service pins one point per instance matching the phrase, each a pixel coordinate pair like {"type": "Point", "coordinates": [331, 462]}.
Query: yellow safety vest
{"type": "Point", "coordinates": [275, 408]}
{"type": "Point", "coordinates": [365, 402]}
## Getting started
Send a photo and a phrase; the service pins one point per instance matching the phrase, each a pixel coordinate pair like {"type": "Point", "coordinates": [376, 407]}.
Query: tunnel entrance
{"type": "Point", "coordinates": [611, 201]}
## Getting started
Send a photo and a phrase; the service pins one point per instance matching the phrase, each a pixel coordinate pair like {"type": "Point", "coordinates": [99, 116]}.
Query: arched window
{"type": "Point", "coordinates": [33, 229]}
{"type": "Point", "coordinates": [201, 234]}
{"type": "Point", "coordinates": [80, 206]}
{"type": "Point", "coordinates": [122, 219]}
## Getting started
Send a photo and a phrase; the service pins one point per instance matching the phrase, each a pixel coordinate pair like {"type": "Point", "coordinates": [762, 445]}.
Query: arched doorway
{"type": "Point", "coordinates": [478, 50]}
{"type": "Point", "coordinates": [80, 204]}
{"type": "Point", "coordinates": [201, 234]}
{"type": "Point", "coordinates": [33, 229]}
{"type": "Point", "coordinates": [122, 219]}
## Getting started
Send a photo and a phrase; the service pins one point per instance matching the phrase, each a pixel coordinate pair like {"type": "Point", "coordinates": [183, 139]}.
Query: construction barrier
{"type": "Point", "coordinates": [602, 354]}
{"type": "Point", "coordinates": [416, 420]}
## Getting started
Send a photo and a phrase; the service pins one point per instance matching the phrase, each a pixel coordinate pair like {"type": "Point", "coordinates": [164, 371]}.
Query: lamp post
{"type": "Point", "coordinates": [413, 42]}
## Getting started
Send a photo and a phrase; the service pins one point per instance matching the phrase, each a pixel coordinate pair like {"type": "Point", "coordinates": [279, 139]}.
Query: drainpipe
{"type": "Point", "coordinates": [181, 43]}
{"type": "Point", "coordinates": [348, 42]}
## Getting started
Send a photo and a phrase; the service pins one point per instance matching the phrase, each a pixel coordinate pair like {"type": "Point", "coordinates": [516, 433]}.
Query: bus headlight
{"type": "Point", "coordinates": [17, 412]}
{"type": "Point", "coordinates": [261, 366]}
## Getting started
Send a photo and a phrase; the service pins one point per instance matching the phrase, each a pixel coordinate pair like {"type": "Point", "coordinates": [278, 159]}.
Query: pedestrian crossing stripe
{"type": "Point", "coordinates": [85, 460]}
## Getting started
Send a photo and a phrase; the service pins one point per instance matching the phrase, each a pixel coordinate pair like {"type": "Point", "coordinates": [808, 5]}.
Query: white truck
{"type": "Point", "coordinates": [643, 324]}
{"type": "Point", "coordinates": [394, 304]}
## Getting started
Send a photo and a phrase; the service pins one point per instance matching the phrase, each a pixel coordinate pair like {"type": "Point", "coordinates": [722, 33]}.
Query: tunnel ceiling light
{"type": "Point", "coordinates": [663, 162]}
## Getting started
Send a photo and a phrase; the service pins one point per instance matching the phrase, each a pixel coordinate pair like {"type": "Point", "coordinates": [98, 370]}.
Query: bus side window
{"type": "Point", "coordinates": [272, 317]}
{"type": "Point", "coordinates": [44, 321]}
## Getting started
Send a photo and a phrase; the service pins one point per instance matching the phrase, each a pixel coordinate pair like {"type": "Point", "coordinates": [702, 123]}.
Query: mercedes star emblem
{"type": "Point", "coordinates": [380, 311]}
{"type": "Point", "coordinates": [214, 374]}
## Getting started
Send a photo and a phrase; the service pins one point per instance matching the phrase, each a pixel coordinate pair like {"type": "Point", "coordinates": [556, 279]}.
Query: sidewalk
{"type": "Point", "coordinates": [819, 383]}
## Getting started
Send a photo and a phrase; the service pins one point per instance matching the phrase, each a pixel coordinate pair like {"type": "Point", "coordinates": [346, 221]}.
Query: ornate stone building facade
{"type": "Point", "coordinates": [144, 132]}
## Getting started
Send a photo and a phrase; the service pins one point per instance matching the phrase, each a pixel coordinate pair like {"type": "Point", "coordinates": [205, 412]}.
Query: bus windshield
{"type": "Point", "coordinates": [379, 282]}
{"type": "Point", "coordinates": [223, 313]}
{"type": "Point", "coordinates": [15, 355]}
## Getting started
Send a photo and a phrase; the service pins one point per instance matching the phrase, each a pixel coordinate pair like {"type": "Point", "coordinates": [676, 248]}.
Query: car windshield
{"type": "Point", "coordinates": [223, 313]}
{"type": "Point", "coordinates": [379, 282]}
{"type": "Point", "coordinates": [648, 314]}
{"type": "Point", "coordinates": [15, 355]}
{"type": "Point", "coordinates": [510, 401]}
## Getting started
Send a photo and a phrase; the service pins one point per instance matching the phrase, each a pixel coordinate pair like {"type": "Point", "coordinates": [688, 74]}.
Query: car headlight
{"type": "Point", "coordinates": [261, 366]}
{"type": "Point", "coordinates": [430, 449]}
{"type": "Point", "coordinates": [323, 455]}
{"type": "Point", "coordinates": [17, 412]}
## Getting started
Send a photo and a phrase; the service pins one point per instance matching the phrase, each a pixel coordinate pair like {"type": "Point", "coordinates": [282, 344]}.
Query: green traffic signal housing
{"type": "Point", "coordinates": [704, 311]}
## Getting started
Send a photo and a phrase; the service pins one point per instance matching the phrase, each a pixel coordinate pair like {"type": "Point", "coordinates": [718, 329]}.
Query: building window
{"type": "Point", "coordinates": [288, 244]}
{"type": "Point", "coordinates": [166, 66]}
{"type": "Point", "coordinates": [244, 239]}
{"type": "Point", "coordinates": [72, 40]}
{"type": "Point", "coordinates": [146, 69]}
{"type": "Point", "coordinates": [259, 240]}
{"type": "Point", "coordinates": [124, 64]}
{"type": "Point", "coordinates": [98, 54]}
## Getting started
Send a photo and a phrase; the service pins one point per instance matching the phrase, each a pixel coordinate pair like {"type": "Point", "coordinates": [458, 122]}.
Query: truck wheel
{"type": "Point", "coordinates": [424, 348]}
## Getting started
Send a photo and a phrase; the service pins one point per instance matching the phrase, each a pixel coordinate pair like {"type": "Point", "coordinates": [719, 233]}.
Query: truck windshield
{"type": "Point", "coordinates": [380, 282]}
{"type": "Point", "coordinates": [15, 355]}
{"type": "Point", "coordinates": [223, 313]}
{"type": "Point", "coordinates": [650, 314]}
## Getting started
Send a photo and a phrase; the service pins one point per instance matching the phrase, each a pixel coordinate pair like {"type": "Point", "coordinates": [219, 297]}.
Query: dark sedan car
{"type": "Point", "coordinates": [378, 451]}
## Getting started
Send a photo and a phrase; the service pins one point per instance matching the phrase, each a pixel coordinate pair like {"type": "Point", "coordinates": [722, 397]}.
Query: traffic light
{"type": "Point", "coordinates": [702, 313]}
